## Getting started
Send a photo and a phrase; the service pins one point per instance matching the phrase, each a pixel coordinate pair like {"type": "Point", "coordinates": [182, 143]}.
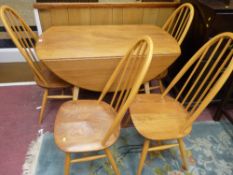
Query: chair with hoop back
{"type": "Point", "coordinates": [93, 125]}
{"type": "Point", "coordinates": [24, 39]}
{"type": "Point", "coordinates": [177, 25]}
{"type": "Point", "coordinates": [159, 117]}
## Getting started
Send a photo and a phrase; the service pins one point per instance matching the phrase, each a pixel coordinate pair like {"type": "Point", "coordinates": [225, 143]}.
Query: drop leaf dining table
{"type": "Point", "coordinates": [85, 56]}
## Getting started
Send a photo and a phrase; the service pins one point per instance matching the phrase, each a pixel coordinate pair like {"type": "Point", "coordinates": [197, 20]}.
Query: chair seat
{"type": "Point", "coordinates": [80, 126]}
{"type": "Point", "coordinates": [52, 80]}
{"type": "Point", "coordinates": [158, 118]}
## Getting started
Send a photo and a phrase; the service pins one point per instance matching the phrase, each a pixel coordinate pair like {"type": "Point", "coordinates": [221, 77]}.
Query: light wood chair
{"type": "Point", "coordinates": [176, 25]}
{"type": "Point", "coordinates": [160, 117]}
{"type": "Point", "coordinates": [92, 125]}
{"type": "Point", "coordinates": [24, 39]}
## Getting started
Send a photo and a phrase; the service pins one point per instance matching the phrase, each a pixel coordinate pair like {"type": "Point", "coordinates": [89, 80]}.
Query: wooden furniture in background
{"type": "Point", "coordinates": [222, 107]}
{"type": "Point", "coordinates": [54, 14]}
{"type": "Point", "coordinates": [160, 117]}
{"type": "Point", "coordinates": [85, 56]}
{"type": "Point", "coordinates": [93, 125]}
{"type": "Point", "coordinates": [177, 25]}
{"type": "Point", "coordinates": [211, 18]}
{"type": "Point", "coordinates": [24, 38]}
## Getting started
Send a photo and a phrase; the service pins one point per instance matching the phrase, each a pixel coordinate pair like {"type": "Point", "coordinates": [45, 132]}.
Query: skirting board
{"type": "Point", "coordinates": [10, 55]}
{"type": "Point", "coordinates": [18, 84]}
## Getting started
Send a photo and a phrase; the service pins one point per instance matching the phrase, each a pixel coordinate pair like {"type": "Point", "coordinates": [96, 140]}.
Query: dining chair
{"type": "Point", "coordinates": [177, 25]}
{"type": "Point", "coordinates": [24, 39]}
{"type": "Point", "coordinates": [93, 125]}
{"type": "Point", "coordinates": [160, 117]}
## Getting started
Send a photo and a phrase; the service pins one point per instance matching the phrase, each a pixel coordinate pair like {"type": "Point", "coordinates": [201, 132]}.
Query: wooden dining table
{"type": "Point", "coordinates": [85, 56]}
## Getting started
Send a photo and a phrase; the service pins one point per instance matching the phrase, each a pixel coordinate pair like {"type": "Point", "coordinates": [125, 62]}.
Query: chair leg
{"type": "Point", "coordinates": [63, 91]}
{"type": "Point", "coordinates": [143, 156]}
{"type": "Point", "coordinates": [67, 164]}
{"type": "Point", "coordinates": [147, 87]}
{"type": "Point", "coordinates": [75, 93]}
{"type": "Point", "coordinates": [183, 153]}
{"type": "Point", "coordinates": [44, 101]}
{"type": "Point", "coordinates": [161, 87]}
{"type": "Point", "coordinates": [111, 160]}
{"type": "Point", "coordinates": [159, 142]}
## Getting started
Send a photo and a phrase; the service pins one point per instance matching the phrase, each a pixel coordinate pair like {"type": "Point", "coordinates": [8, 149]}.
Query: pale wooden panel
{"type": "Point", "coordinates": [163, 15]}
{"type": "Point", "coordinates": [45, 19]}
{"type": "Point", "coordinates": [59, 16]}
{"type": "Point", "coordinates": [132, 15]}
{"type": "Point", "coordinates": [86, 16]}
{"type": "Point", "coordinates": [80, 16]}
{"type": "Point", "coordinates": [117, 15]}
{"type": "Point", "coordinates": [101, 16]}
{"type": "Point", "coordinates": [150, 15]}
{"type": "Point", "coordinates": [15, 72]}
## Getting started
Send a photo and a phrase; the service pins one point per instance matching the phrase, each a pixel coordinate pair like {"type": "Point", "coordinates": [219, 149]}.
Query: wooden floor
{"type": "Point", "coordinates": [15, 72]}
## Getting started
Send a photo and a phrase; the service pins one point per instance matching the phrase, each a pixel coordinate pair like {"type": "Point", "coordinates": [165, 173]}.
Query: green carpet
{"type": "Point", "coordinates": [209, 147]}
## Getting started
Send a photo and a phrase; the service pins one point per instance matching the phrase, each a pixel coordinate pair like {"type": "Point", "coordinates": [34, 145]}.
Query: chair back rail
{"type": "Point", "coordinates": [204, 75]}
{"type": "Point", "coordinates": [23, 37]}
{"type": "Point", "coordinates": [179, 22]}
{"type": "Point", "coordinates": [127, 78]}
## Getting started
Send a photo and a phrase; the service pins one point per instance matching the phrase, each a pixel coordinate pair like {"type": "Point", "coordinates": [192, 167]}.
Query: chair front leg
{"type": "Point", "coordinates": [44, 101]}
{"type": "Point", "coordinates": [111, 160]}
{"type": "Point", "coordinates": [67, 164]}
{"type": "Point", "coordinates": [183, 153]}
{"type": "Point", "coordinates": [143, 156]}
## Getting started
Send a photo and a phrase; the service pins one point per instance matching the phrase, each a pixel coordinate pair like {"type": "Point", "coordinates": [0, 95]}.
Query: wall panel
{"type": "Point", "coordinates": [163, 14]}
{"type": "Point", "coordinates": [101, 16]}
{"type": "Point", "coordinates": [59, 17]}
{"type": "Point", "coordinates": [45, 19]}
{"type": "Point", "coordinates": [103, 13]}
{"type": "Point", "coordinates": [132, 15]}
{"type": "Point", "coordinates": [81, 16]}
{"type": "Point", "coordinates": [117, 16]}
{"type": "Point", "coordinates": [150, 15]}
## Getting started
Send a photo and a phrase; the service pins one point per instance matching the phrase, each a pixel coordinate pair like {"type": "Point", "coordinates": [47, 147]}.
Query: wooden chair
{"type": "Point", "coordinates": [92, 125]}
{"type": "Point", "coordinates": [25, 39]}
{"type": "Point", "coordinates": [160, 117]}
{"type": "Point", "coordinates": [176, 25]}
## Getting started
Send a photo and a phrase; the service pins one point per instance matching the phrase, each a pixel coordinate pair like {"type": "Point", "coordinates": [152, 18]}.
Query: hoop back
{"type": "Point", "coordinates": [23, 37]}
{"type": "Point", "coordinates": [179, 22]}
{"type": "Point", "coordinates": [127, 78]}
{"type": "Point", "coordinates": [204, 75]}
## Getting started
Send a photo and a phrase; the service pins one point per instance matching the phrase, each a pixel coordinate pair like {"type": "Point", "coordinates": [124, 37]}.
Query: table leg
{"type": "Point", "coordinates": [75, 93]}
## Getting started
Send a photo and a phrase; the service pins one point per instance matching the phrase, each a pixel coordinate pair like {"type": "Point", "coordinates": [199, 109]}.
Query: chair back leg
{"type": "Point", "coordinates": [44, 101]}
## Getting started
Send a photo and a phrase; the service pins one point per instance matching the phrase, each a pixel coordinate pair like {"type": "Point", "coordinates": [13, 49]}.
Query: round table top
{"type": "Point", "coordinates": [85, 56]}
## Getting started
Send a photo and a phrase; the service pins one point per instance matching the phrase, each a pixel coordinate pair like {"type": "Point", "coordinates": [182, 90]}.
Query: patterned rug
{"type": "Point", "coordinates": [209, 148]}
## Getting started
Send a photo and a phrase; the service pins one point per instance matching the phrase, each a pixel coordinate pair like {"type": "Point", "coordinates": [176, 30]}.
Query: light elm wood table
{"type": "Point", "coordinates": [85, 56]}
